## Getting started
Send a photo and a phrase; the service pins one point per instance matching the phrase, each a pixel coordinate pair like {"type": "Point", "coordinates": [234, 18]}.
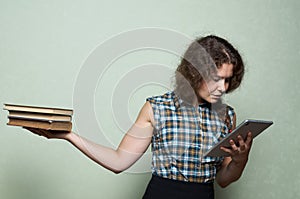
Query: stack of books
{"type": "Point", "coordinates": [47, 118]}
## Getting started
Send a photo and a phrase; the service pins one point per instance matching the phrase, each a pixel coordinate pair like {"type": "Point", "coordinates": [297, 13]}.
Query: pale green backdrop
{"type": "Point", "coordinates": [43, 45]}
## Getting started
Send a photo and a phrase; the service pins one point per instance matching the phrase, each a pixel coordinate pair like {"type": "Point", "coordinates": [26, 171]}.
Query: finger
{"type": "Point", "coordinates": [242, 148]}
{"type": "Point", "coordinates": [47, 134]}
{"type": "Point", "coordinates": [241, 143]}
{"type": "Point", "coordinates": [34, 130]}
{"type": "Point", "coordinates": [28, 128]}
{"type": "Point", "coordinates": [249, 139]}
{"type": "Point", "coordinates": [227, 150]}
{"type": "Point", "coordinates": [233, 146]}
{"type": "Point", "coordinates": [37, 132]}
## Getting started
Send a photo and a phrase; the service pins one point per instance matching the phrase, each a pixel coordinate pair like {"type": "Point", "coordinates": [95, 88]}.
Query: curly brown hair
{"type": "Point", "coordinates": [202, 58]}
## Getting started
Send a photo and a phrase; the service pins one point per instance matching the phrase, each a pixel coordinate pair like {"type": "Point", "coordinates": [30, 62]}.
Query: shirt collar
{"type": "Point", "coordinates": [178, 102]}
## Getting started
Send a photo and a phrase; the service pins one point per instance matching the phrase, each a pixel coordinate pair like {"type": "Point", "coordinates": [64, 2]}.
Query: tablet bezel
{"type": "Point", "coordinates": [254, 126]}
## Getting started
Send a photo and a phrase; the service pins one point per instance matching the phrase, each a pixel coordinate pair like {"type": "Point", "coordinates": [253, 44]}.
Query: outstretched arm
{"type": "Point", "coordinates": [134, 143]}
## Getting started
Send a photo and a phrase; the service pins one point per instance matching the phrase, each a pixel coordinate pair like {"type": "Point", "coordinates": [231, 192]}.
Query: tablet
{"type": "Point", "coordinates": [254, 126]}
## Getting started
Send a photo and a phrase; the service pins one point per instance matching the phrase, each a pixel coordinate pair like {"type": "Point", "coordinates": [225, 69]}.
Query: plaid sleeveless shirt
{"type": "Point", "coordinates": [181, 135]}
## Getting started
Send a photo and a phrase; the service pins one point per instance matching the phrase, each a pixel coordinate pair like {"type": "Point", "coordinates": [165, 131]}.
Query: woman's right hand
{"type": "Point", "coordinates": [49, 134]}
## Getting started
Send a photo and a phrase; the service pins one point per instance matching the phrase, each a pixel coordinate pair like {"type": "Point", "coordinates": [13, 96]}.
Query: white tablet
{"type": "Point", "coordinates": [254, 126]}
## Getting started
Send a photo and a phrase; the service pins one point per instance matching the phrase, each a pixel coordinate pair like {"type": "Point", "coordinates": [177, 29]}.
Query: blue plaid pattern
{"type": "Point", "coordinates": [181, 135]}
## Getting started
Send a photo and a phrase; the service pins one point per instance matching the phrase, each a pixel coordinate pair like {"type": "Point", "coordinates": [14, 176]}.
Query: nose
{"type": "Point", "coordinates": [222, 85]}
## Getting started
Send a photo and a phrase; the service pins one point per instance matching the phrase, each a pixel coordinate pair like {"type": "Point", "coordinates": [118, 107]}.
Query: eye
{"type": "Point", "coordinates": [216, 79]}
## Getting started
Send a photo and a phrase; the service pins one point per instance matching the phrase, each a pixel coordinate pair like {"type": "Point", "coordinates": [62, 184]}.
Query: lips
{"type": "Point", "coordinates": [216, 96]}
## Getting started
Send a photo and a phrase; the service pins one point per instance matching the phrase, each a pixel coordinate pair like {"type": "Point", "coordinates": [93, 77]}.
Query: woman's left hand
{"type": "Point", "coordinates": [233, 166]}
{"type": "Point", "coordinates": [239, 152]}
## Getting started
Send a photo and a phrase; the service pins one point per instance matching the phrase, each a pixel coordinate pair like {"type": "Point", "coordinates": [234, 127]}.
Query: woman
{"type": "Point", "coordinates": [182, 125]}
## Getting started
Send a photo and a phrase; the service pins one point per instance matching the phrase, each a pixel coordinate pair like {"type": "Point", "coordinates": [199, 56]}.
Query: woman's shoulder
{"type": "Point", "coordinates": [229, 108]}
{"type": "Point", "coordinates": [164, 98]}
{"type": "Point", "coordinates": [230, 113]}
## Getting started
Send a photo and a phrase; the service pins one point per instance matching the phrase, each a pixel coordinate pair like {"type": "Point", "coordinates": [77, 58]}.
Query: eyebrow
{"type": "Point", "coordinates": [221, 77]}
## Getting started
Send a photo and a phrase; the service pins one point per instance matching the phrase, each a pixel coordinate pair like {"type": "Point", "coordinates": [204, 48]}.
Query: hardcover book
{"type": "Point", "coordinates": [48, 118]}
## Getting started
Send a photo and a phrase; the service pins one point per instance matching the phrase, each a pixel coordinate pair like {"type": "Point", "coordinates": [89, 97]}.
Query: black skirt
{"type": "Point", "coordinates": [163, 188]}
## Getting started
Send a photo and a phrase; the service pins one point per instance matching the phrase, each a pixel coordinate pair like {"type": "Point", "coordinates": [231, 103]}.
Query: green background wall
{"type": "Point", "coordinates": [43, 45]}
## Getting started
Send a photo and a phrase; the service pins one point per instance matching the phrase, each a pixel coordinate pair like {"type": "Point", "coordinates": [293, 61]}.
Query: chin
{"type": "Point", "coordinates": [213, 100]}
{"type": "Point", "coordinates": [209, 100]}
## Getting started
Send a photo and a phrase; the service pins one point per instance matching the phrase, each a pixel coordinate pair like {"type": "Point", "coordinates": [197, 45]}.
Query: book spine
{"type": "Point", "coordinates": [47, 125]}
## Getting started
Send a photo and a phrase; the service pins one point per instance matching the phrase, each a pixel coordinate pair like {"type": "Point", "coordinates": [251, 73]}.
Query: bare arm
{"type": "Point", "coordinates": [134, 143]}
{"type": "Point", "coordinates": [233, 166]}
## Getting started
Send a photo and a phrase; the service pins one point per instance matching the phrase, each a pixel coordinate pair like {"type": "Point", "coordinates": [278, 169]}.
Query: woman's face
{"type": "Point", "coordinates": [212, 90]}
